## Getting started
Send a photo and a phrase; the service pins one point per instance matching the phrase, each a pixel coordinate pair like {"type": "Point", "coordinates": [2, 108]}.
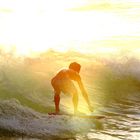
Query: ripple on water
{"type": "Point", "coordinates": [122, 121]}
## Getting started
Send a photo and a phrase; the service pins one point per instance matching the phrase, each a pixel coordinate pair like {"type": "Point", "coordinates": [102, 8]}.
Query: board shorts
{"type": "Point", "coordinates": [64, 85]}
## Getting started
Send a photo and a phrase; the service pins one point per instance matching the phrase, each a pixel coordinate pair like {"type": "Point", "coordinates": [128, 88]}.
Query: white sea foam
{"type": "Point", "coordinates": [20, 119]}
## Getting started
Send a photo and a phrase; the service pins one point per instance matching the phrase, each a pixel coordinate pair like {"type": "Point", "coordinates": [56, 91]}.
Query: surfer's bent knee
{"type": "Point", "coordinates": [56, 93]}
{"type": "Point", "coordinates": [74, 92]}
{"type": "Point", "coordinates": [55, 86]}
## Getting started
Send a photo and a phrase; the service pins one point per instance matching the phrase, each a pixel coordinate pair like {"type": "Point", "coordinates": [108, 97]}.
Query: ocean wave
{"type": "Point", "coordinates": [22, 120]}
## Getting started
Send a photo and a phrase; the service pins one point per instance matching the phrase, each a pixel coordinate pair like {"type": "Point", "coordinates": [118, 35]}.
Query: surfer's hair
{"type": "Point", "coordinates": [75, 66]}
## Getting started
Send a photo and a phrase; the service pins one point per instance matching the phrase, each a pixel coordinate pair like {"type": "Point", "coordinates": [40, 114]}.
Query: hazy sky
{"type": "Point", "coordinates": [84, 25]}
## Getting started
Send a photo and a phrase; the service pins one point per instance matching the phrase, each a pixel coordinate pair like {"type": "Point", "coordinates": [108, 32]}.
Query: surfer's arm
{"type": "Point", "coordinates": [84, 93]}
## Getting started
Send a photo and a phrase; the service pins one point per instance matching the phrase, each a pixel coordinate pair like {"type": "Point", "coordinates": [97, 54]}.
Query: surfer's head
{"type": "Point", "coordinates": [75, 66]}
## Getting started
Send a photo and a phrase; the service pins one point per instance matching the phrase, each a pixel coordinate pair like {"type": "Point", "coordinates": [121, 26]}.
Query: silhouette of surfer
{"type": "Point", "coordinates": [63, 82]}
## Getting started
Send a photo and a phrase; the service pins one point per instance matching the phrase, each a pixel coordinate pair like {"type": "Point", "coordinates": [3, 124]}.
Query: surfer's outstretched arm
{"type": "Point", "coordinates": [85, 95]}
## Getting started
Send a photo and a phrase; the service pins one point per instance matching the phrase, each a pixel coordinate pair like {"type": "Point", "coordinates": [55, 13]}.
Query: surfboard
{"type": "Point", "coordinates": [93, 116]}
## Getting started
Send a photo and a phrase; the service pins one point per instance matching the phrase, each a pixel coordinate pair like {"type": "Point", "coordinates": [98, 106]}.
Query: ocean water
{"type": "Point", "coordinates": [122, 122]}
{"type": "Point", "coordinates": [26, 97]}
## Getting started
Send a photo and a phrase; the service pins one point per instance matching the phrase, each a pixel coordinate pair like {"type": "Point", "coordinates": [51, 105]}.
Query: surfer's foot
{"type": "Point", "coordinates": [54, 113]}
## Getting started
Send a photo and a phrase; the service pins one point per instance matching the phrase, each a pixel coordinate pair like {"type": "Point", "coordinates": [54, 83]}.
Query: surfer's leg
{"type": "Point", "coordinates": [57, 101]}
{"type": "Point", "coordinates": [75, 101]}
{"type": "Point", "coordinates": [74, 93]}
{"type": "Point", "coordinates": [55, 84]}
{"type": "Point", "coordinates": [68, 87]}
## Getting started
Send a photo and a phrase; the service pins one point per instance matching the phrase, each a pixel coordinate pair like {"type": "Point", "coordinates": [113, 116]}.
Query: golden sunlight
{"type": "Point", "coordinates": [39, 25]}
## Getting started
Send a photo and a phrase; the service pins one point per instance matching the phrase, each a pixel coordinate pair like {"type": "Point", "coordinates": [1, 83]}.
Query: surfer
{"type": "Point", "coordinates": [63, 82]}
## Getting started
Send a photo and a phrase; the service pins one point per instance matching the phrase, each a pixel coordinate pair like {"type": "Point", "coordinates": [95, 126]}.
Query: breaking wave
{"type": "Point", "coordinates": [19, 119]}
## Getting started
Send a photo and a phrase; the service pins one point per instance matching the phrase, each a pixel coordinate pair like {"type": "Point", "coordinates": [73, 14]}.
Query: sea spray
{"type": "Point", "coordinates": [22, 120]}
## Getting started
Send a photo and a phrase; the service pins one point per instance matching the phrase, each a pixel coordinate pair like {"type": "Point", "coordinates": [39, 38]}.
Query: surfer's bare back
{"type": "Point", "coordinates": [62, 82]}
